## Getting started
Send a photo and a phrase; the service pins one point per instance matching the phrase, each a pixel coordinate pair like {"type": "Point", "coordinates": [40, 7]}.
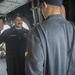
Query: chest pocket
{"type": "Point", "coordinates": [13, 37]}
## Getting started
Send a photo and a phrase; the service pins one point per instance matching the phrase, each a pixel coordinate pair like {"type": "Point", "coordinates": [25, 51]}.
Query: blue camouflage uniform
{"type": "Point", "coordinates": [48, 47]}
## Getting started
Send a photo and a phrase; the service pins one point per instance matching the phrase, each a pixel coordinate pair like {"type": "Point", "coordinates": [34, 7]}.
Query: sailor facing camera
{"type": "Point", "coordinates": [15, 39]}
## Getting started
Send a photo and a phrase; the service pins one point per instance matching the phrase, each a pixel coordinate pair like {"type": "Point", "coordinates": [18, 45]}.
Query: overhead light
{"type": "Point", "coordinates": [9, 11]}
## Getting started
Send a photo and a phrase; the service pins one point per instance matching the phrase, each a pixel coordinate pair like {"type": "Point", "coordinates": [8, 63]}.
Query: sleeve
{"type": "Point", "coordinates": [35, 58]}
{"type": "Point", "coordinates": [2, 37]}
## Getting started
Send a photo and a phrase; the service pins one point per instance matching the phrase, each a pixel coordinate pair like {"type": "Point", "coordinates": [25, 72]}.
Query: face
{"type": "Point", "coordinates": [1, 24]}
{"type": "Point", "coordinates": [18, 22]}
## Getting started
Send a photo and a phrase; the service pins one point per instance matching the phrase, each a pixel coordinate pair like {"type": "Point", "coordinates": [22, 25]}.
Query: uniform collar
{"type": "Point", "coordinates": [55, 16]}
{"type": "Point", "coordinates": [18, 28]}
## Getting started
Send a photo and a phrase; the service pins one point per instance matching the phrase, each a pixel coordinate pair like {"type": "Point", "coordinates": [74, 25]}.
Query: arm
{"type": "Point", "coordinates": [35, 58]}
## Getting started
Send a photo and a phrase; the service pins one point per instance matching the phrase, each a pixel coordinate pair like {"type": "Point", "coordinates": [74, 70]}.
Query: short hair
{"type": "Point", "coordinates": [17, 15]}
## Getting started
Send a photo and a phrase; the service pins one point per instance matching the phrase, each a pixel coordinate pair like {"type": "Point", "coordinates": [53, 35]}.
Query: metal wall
{"type": "Point", "coordinates": [70, 9]}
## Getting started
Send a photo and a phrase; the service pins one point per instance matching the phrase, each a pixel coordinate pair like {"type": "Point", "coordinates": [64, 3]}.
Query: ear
{"type": "Point", "coordinates": [45, 5]}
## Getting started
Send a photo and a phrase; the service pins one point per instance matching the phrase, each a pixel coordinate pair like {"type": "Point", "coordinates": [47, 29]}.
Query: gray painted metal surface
{"type": "Point", "coordinates": [3, 67]}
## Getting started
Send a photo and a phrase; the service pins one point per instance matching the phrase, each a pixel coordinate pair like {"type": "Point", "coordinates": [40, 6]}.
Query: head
{"type": "Point", "coordinates": [1, 23]}
{"type": "Point", "coordinates": [18, 21]}
{"type": "Point", "coordinates": [51, 7]}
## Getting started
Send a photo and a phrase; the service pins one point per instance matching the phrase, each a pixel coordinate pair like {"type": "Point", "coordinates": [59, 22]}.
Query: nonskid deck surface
{"type": "Point", "coordinates": [3, 67]}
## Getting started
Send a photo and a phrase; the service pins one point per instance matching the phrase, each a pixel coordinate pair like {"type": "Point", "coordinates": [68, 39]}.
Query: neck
{"type": "Point", "coordinates": [18, 28]}
{"type": "Point", "coordinates": [52, 11]}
